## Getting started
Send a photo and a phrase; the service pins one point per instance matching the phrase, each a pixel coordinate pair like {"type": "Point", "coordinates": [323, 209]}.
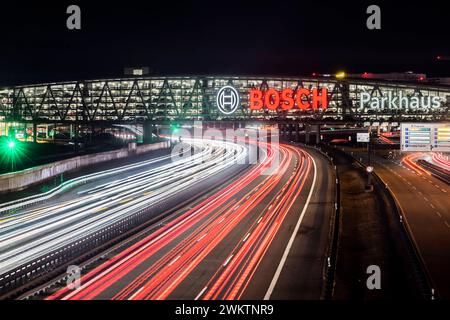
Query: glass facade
{"type": "Point", "coordinates": [134, 100]}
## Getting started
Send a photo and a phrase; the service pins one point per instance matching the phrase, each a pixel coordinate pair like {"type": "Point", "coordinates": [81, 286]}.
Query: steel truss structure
{"type": "Point", "coordinates": [166, 99]}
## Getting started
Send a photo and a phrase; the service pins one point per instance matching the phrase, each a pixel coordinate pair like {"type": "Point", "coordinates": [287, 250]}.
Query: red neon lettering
{"type": "Point", "coordinates": [288, 100]}
{"type": "Point", "coordinates": [255, 101]}
{"type": "Point", "coordinates": [272, 99]}
{"type": "Point", "coordinates": [302, 105]}
{"type": "Point", "coordinates": [322, 98]}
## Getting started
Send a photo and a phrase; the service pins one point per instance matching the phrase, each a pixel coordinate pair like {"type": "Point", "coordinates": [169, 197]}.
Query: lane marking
{"type": "Point", "coordinates": [228, 260]}
{"type": "Point", "coordinates": [200, 294]}
{"type": "Point", "coordinates": [202, 237]}
{"type": "Point", "coordinates": [174, 260]}
{"type": "Point", "coordinates": [136, 293]}
{"type": "Point", "coordinates": [291, 240]}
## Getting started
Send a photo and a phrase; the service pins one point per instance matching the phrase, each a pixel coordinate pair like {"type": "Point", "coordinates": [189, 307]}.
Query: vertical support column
{"type": "Point", "coordinates": [297, 132]}
{"type": "Point", "coordinates": [34, 132]}
{"type": "Point", "coordinates": [75, 136]}
{"type": "Point", "coordinates": [148, 131]}
{"type": "Point", "coordinates": [307, 132]}
{"type": "Point", "coordinates": [317, 133]}
{"type": "Point", "coordinates": [91, 134]}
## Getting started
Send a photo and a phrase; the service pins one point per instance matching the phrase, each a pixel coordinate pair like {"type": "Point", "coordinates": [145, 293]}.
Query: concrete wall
{"type": "Point", "coordinates": [15, 181]}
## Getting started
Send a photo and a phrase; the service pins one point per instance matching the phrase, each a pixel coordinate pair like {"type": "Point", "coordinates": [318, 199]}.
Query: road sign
{"type": "Point", "coordinates": [425, 137]}
{"type": "Point", "coordinates": [362, 137]}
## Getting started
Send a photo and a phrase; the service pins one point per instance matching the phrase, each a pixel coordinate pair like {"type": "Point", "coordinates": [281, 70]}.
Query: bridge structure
{"type": "Point", "coordinates": [184, 99]}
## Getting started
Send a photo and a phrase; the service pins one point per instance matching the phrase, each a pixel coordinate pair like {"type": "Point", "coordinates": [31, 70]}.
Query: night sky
{"type": "Point", "coordinates": [219, 37]}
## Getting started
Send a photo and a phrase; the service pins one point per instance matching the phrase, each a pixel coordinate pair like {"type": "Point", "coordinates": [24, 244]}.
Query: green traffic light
{"type": "Point", "coordinates": [12, 154]}
{"type": "Point", "coordinates": [174, 128]}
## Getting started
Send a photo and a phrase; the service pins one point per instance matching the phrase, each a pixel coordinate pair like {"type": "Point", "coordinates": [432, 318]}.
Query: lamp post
{"type": "Point", "coordinates": [369, 167]}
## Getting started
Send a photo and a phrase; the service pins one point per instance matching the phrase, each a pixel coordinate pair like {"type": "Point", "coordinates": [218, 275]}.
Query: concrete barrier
{"type": "Point", "coordinates": [15, 181]}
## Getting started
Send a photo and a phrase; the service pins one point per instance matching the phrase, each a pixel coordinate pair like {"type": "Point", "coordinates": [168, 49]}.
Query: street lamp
{"type": "Point", "coordinates": [369, 168]}
{"type": "Point", "coordinates": [341, 75]}
{"type": "Point", "coordinates": [11, 144]}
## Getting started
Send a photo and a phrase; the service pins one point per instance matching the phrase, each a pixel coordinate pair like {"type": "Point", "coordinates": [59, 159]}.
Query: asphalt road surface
{"type": "Point", "coordinates": [425, 201]}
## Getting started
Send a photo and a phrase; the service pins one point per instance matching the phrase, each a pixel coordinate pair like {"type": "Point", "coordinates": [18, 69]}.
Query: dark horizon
{"type": "Point", "coordinates": [275, 38]}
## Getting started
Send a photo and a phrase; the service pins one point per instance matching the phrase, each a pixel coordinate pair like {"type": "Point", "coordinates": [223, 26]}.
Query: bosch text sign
{"type": "Point", "coordinates": [287, 99]}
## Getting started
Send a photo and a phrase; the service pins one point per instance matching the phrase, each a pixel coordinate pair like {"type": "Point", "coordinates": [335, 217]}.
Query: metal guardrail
{"type": "Point", "coordinates": [334, 234]}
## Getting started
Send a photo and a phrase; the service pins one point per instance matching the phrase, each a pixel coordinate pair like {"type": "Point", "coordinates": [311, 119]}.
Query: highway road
{"type": "Point", "coordinates": [33, 229]}
{"type": "Point", "coordinates": [261, 236]}
{"type": "Point", "coordinates": [425, 201]}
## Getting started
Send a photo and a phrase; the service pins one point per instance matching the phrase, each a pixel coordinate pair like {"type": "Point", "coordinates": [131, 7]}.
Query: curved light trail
{"type": "Point", "coordinates": [33, 234]}
{"type": "Point", "coordinates": [156, 266]}
{"type": "Point", "coordinates": [441, 160]}
{"type": "Point", "coordinates": [410, 162]}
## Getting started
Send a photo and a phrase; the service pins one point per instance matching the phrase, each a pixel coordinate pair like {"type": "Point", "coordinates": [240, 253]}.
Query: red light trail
{"type": "Point", "coordinates": [166, 257]}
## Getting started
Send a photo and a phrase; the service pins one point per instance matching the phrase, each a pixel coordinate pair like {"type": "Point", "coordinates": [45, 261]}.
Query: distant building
{"type": "Point", "coordinates": [140, 71]}
{"type": "Point", "coordinates": [394, 76]}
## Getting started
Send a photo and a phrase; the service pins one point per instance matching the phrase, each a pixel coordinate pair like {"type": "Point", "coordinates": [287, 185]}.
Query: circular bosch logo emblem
{"type": "Point", "coordinates": [227, 100]}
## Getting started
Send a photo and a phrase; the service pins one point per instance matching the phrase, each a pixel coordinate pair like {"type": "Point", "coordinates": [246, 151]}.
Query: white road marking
{"type": "Point", "coordinates": [228, 260]}
{"type": "Point", "coordinates": [136, 293]}
{"type": "Point", "coordinates": [291, 240]}
{"type": "Point", "coordinates": [174, 260]}
{"type": "Point", "coordinates": [200, 294]}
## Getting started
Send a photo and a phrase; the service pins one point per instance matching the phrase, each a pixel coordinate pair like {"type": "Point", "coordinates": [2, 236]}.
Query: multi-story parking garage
{"type": "Point", "coordinates": [181, 99]}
